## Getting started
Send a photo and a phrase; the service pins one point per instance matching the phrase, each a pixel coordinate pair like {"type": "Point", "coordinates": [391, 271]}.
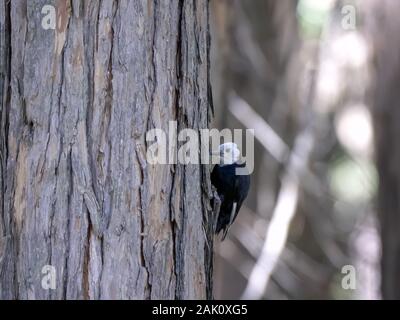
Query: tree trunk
{"type": "Point", "coordinates": [383, 26]}
{"type": "Point", "coordinates": [77, 191]}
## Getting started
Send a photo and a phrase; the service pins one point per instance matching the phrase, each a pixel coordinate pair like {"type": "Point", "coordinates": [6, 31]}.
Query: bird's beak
{"type": "Point", "coordinates": [215, 153]}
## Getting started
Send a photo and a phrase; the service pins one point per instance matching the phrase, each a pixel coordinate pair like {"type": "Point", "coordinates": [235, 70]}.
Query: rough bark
{"type": "Point", "coordinates": [77, 192]}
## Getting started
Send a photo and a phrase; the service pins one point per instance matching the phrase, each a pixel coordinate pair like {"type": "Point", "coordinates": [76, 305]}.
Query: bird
{"type": "Point", "coordinates": [232, 188]}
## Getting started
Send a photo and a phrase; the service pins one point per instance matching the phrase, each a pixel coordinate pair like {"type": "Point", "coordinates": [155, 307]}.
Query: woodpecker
{"type": "Point", "coordinates": [232, 189]}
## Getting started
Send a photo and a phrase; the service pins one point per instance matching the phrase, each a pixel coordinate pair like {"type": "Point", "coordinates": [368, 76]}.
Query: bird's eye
{"type": "Point", "coordinates": [228, 150]}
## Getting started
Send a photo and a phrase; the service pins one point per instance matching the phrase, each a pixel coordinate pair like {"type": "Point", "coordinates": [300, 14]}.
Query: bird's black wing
{"type": "Point", "coordinates": [242, 186]}
{"type": "Point", "coordinates": [232, 189]}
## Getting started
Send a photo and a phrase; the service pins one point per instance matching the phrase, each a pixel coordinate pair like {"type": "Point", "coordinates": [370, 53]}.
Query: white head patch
{"type": "Point", "coordinates": [229, 153]}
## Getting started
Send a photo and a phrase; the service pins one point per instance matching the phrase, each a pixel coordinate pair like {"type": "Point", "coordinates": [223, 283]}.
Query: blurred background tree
{"type": "Point", "coordinates": [382, 27]}
{"type": "Point", "coordinates": [305, 69]}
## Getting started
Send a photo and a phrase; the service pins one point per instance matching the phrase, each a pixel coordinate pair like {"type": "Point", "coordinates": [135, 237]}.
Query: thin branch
{"type": "Point", "coordinates": [286, 205]}
{"type": "Point", "coordinates": [264, 133]}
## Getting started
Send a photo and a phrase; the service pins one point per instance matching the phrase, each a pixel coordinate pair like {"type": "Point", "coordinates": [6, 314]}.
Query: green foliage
{"type": "Point", "coordinates": [313, 15]}
{"type": "Point", "coordinates": [353, 181]}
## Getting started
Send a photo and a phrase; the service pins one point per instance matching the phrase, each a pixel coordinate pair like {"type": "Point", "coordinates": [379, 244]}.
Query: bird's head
{"type": "Point", "coordinates": [228, 153]}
